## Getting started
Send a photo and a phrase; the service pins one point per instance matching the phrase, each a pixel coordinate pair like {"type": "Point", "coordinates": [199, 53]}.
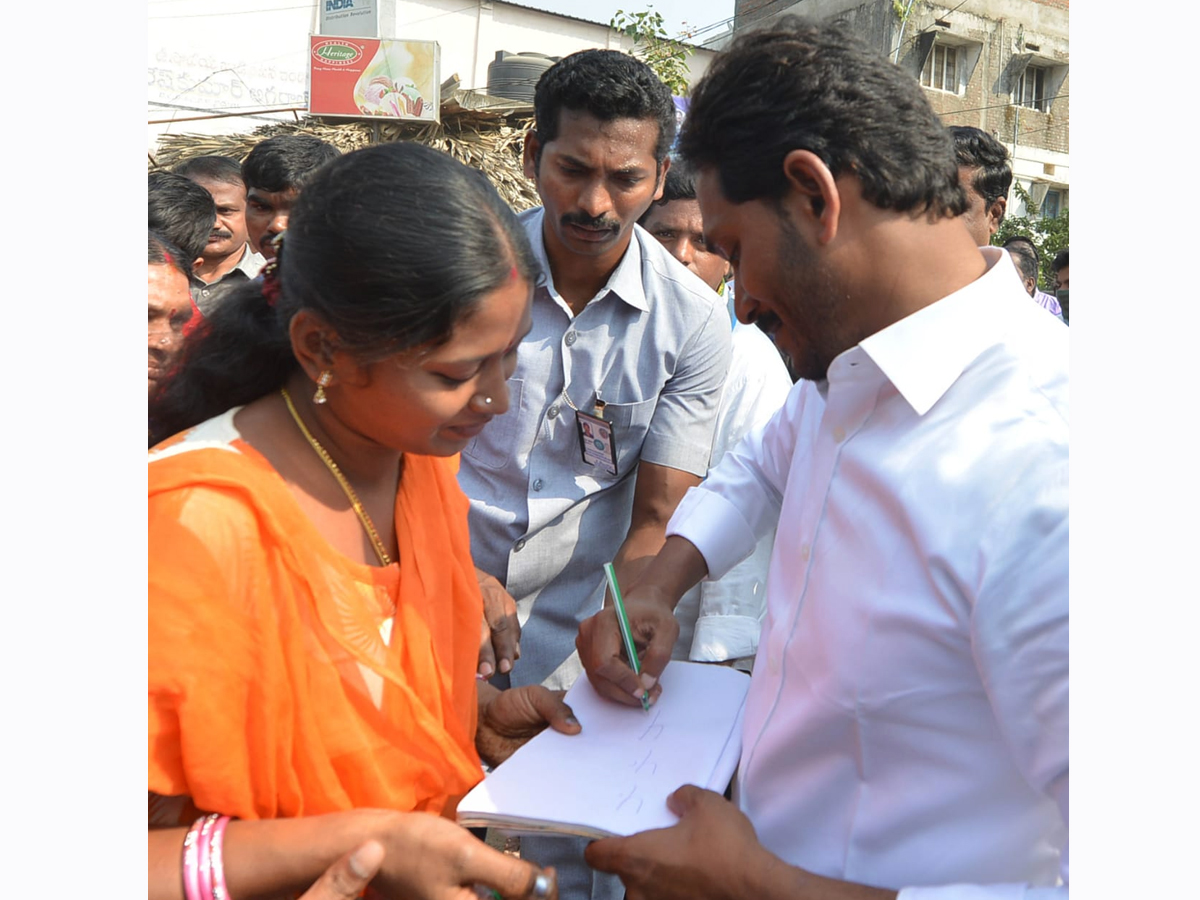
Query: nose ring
{"type": "Point", "coordinates": [487, 401]}
{"type": "Point", "coordinates": [162, 340]}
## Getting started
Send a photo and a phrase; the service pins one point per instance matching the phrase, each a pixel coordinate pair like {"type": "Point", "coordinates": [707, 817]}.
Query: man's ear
{"type": "Point", "coordinates": [662, 179]}
{"type": "Point", "coordinates": [533, 146]}
{"type": "Point", "coordinates": [197, 263]}
{"type": "Point", "coordinates": [995, 214]}
{"type": "Point", "coordinates": [816, 191]}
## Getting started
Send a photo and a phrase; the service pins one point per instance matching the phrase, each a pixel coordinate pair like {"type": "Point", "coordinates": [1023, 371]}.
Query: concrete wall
{"type": "Point", "coordinates": [209, 56]}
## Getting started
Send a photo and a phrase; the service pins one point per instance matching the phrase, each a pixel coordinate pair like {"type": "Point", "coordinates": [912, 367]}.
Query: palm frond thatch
{"type": "Point", "coordinates": [482, 132]}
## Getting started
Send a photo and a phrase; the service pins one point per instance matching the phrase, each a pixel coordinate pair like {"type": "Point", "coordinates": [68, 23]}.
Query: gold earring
{"type": "Point", "coordinates": [323, 381]}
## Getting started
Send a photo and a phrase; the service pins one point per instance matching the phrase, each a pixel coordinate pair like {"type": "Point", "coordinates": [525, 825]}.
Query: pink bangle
{"type": "Point", "coordinates": [191, 875]}
{"type": "Point", "coordinates": [217, 861]}
{"type": "Point", "coordinates": [203, 846]}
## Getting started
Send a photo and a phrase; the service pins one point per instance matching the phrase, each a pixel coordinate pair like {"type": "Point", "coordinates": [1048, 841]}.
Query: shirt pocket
{"type": "Point", "coordinates": [630, 423]}
{"type": "Point", "coordinates": [496, 446]}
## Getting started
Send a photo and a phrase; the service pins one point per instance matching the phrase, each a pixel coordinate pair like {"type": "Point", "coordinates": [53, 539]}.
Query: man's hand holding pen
{"type": "Point", "coordinates": [601, 650]}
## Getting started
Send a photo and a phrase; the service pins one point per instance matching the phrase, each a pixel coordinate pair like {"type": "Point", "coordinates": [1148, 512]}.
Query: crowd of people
{"type": "Point", "coordinates": [777, 376]}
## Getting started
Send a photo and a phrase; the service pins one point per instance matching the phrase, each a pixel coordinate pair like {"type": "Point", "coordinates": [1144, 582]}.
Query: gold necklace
{"type": "Point", "coordinates": [380, 550]}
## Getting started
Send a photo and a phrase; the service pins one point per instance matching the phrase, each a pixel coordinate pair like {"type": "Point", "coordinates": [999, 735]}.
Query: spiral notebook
{"type": "Point", "coordinates": [614, 777]}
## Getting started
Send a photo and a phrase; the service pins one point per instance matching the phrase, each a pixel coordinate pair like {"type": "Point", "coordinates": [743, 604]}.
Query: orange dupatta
{"type": "Point", "coordinates": [260, 634]}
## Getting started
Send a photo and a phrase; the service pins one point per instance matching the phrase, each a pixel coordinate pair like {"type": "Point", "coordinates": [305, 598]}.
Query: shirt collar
{"type": "Point", "coordinates": [250, 262]}
{"type": "Point", "coordinates": [923, 354]}
{"type": "Point", "coordinates": [625, 281]}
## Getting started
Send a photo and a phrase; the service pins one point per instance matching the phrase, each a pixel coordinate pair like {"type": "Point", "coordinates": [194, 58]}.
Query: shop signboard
{"type": "Point", "coordinates": [348, 18]}
{"type": "Point", "coordinates": [367, 77]}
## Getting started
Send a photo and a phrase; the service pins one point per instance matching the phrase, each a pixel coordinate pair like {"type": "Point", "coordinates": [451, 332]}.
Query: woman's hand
{"type": "Point", "coordinates": [500, 631]}
{"type": "Point", "coordinates": [431, 858]}
{"type": "Point", "coordinates": [507, 719]}
{"type": "Point", "coordinates": [347, 877]}
{"type": "Point", "coordinates": [404, 856]}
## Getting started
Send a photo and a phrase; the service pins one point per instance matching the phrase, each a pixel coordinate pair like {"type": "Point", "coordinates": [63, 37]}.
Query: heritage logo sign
{"type": "Point", "coordinates": [362, 77]}
{"type": "Point", "coordinates": [337, 53]}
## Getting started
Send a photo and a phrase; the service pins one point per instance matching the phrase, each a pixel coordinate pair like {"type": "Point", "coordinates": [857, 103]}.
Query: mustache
{"type": "Point", "coordinates": [598, 223]}
{"type": "Point", "coordinates": [768, 322]}
{"type": "Point", "coordinates": [220, 234]}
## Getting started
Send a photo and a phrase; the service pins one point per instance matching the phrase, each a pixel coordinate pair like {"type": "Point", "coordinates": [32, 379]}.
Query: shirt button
{"type": "Point", "coordinates": [804, 551]}
{"type": "Point", "coordinates": [519, 546]}
{"type": "Point", "coordinates": [839, 434]}
{"type": "Point", "coordinates": [570, 338]}
{"type": "Point", "coordinates": [204, 293]}
{"type": "Point", "coordinates": [552, 412]}
{"type": "Point", "coordinates": [537, 484]}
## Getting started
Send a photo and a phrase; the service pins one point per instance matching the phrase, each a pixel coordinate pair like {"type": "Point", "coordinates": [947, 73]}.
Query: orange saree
{"type": "Point", "coordinates": [286, 679]}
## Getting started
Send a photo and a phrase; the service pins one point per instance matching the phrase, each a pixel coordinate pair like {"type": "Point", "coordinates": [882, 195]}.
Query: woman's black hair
{"type": "Point", "coordinates": [392, 245]}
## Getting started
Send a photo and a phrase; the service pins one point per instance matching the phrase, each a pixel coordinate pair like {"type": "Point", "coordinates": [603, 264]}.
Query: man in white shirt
{"type": "Point", "coordinates": [719, 621]}
{"type": "Point", "coordinates": [906, 727]}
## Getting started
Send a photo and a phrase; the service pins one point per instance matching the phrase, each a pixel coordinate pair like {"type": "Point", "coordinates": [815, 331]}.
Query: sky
{"type": "Point", "coordinates": [678, 14]}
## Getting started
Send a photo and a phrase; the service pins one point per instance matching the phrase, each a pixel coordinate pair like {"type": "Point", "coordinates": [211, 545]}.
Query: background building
{"type": "Point", "coordinates": [249, 62]}
{"type": "Point", "coordinates": [1000, 65]}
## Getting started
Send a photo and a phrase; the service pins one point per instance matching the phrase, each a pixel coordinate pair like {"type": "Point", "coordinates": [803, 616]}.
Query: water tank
{"type": "Point", "coordinates": [515, 75]}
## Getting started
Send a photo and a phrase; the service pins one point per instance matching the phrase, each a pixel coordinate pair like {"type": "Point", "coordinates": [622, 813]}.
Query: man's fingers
{"type": "Point", "coordinates": [616, 681]}
{"type": "Point", "coordinates": [601, 651]}
{"type": "Point", "coordinates": [685, 798]}
{"type": "Point", "coordinates": [506, 640]}
{"type": "Point", "coordinates": [347, 877]}
{"type": "Point", "coordinates": [551, 708]}
{"type": "Point", "coordinates": [500, 614]}
{"type": "Point", "coordinates": [605, 855]}
{"type": "Point", "coordinates": [486, 666]}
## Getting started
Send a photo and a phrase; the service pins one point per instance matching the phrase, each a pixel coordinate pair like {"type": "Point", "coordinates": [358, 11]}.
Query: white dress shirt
{"type": "Point", "coordinates": [720, 620]}
{"type": "Point", "coordinates": [907, 719]}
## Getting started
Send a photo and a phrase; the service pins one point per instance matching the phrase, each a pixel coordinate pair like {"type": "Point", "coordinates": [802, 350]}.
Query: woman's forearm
{"type": "Point", "coordinates": [267, 857]}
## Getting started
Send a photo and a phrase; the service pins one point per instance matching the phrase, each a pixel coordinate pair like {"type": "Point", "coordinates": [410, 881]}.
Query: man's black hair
{"type": "Point", "coordinates": [1025, 258]}
{"type": "Point", "coordinates": [1021, 239]}
{"type": "Point", "coordinates": [219, 169]}
{"type": "Point", "coordinates": [285, 162]}
{"type": "Point", "coordinates": [181, 211]}
{"type": "Point", "coordinates": [976, 149]}
{"type": "Point", "coordinates": [162, 252]}
{"type": "Point", "coordinates": [1062, 259]}
{"type": "Point", "coordinates": [678, 185]}
{"type": "Point", "coordinates": [609, 85]}
{"type": "Point", "coordinates": [809, 85]}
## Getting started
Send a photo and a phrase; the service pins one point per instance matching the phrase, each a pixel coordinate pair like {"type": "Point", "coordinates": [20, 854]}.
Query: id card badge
{"type": "Point", "coordinates": [597, 442]}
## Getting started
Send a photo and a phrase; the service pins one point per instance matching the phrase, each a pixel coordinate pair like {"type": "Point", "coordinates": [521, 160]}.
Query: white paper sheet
{"type": "Point", "coordinates": [615, 776]}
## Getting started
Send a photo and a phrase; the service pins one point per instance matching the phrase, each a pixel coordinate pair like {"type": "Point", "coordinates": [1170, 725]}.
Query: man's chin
{"type": "Point", "coordinates": [217, 252]}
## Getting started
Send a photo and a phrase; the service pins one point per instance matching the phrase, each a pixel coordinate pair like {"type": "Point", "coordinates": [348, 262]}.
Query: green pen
{"type": "Point", "coordinates": [626, 631]}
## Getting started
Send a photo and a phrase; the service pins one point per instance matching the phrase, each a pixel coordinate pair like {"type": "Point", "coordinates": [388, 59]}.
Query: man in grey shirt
{"type": "Point", "coordinates": [622, 333]}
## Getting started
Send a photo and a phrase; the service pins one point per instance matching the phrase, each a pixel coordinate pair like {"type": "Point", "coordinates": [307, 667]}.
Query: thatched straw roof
{"type": "Point", "coordinates": [484, 132]}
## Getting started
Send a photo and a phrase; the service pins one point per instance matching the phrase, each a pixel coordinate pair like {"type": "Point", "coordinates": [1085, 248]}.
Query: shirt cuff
{"type": "Point", "coordinates": [715, 527]}
{"type": "Point", "coordinates": [722, 638]}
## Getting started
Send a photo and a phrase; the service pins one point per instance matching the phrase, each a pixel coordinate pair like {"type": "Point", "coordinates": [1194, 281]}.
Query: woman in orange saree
{"type": "Point", "coordinates": [313, 609]}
